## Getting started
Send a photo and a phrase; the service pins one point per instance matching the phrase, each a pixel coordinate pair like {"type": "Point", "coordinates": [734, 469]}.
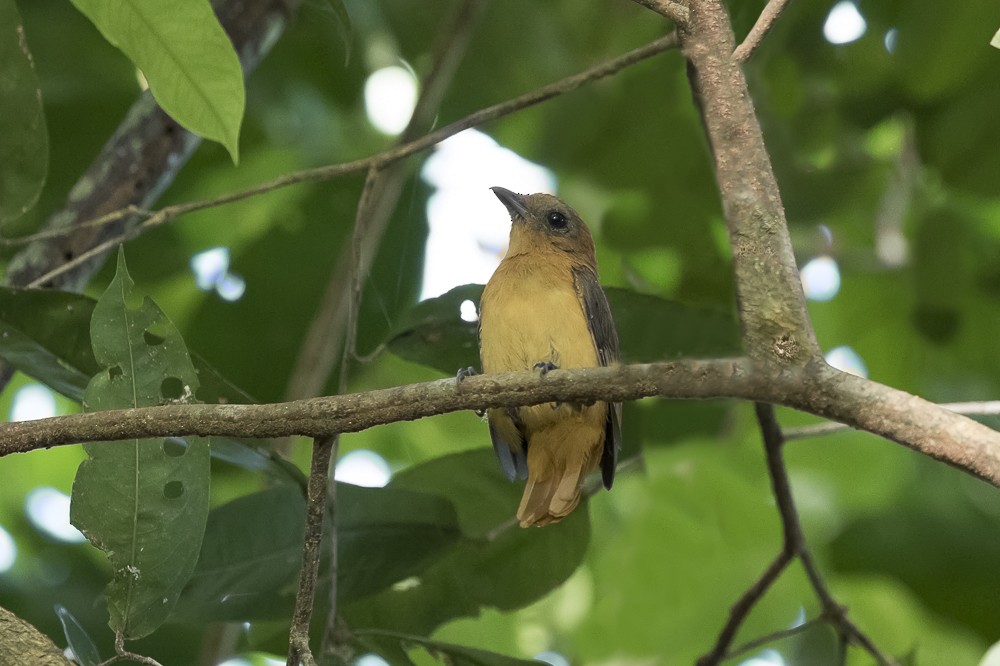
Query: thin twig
{"type": "Point", "coordinates": [765, 21]}
{"type": "Point", "coordinates": [350, 339]}
{"type": "Point", "coordinates": [739, 611]}
{"type": "Point", "coordinates": [984, 408]}
{"type": "Point", "coordinates": [325, 337]}
{"type": "Point", "coordinates": [891, 245]}
{"type": "Point", "coordinates": [114, 216]}
{"type": "Point", "coordinates": [674, 11]}
{"type": "Point", "coordinates": [793, 545]}
{"type": "Point", "coordinates": [383, 158]}
{"type": "Point", "coordinates": [122, 654]}
{"type": "Point", "coordinates": [774, 636]}
{"type": "Point", "coordinates": [298, 638]}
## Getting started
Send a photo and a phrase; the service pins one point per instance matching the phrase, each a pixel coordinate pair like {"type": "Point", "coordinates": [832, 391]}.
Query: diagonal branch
{"type": "Point", "coordinates": [381, 159]}
{"type": "Point", "coordinates": [675, 11]}
{"type": "Point", "coordinates": [771, 305]}
{"type": "Point", "coordinates": [794, 545]}
{"type": "Point", "coordinates": [764, 23]}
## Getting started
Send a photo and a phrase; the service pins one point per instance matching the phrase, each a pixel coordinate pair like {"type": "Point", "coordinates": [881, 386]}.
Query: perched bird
{"type": "Point", "coordinates": [544, 309]}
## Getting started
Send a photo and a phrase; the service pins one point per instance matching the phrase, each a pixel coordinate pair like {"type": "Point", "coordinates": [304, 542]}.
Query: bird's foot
{"type": "Point", "coordinates": [545, 367]}
{"type": "Point", "coordinates": [460, 376]}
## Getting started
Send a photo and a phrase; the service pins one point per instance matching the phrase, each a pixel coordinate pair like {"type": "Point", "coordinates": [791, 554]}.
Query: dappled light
{"type": "Point", "coordinates": [821, 278]}
{"type": "Point", "coordinates": [844, 24]}
{"type": "Point", "coordinates": [33, 401]}
{"type": "Point", "coordinates": [390, 95]}
{"type": "Point", "coordinates": [363, 468]}
{"type": "Point", "coordinates": [48, 510]}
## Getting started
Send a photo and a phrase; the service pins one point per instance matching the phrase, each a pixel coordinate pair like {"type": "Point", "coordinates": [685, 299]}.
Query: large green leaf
{"type": "Point", "coordinates": [253, 548]}
{"type": "Point", "coordinates": [650, 328]}
{"type": "Point", "coordinates": [143, 502]}
{"type": "Point", "coordinates": [190, 64]}
{"type": "Point", "coordinates": [46, 334]}
{"type": "Point", "coordinates": [497, 564]}
{"type": "Point", "coordinates": [395, 647]}
{"type": "Point", "coordinates": [249, 560]}
{"type": "Point", "coordinates": [386, 535]}
{"type": "Point", "coordinates": [24, 138]}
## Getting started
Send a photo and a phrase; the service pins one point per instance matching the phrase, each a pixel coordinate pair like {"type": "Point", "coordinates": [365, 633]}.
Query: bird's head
{"type": "Point", "coordinates": [542, 222]}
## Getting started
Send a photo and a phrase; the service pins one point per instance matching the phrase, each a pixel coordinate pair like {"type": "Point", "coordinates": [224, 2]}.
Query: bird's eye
{"type": "Point", "coordinates": [556, 220]}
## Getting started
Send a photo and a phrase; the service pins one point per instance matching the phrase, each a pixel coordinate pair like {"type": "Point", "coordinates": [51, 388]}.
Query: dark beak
{"type": "Point", "coordinates": [513, 201]}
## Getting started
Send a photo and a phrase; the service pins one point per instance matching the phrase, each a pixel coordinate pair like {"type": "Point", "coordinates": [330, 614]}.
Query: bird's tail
{"type": "Point", "coordinates": [557, 467]}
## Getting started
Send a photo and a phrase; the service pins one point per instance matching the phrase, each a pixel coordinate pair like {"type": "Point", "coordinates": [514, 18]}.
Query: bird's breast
{"type": "Point", "coordinates": [531, 312]}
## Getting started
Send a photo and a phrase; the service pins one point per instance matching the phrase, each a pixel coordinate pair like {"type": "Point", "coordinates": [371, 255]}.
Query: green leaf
{"type": "Point", "coordinates": [394, 646]}
{"type": "Point", "coordinates": [650, 328]}
{"type": "Point", "coordinates": [46, 334]}
{"type": "Point", "coordinates": [385, 535]}
{"type": "Point", "coordinates": [344, 28]}
{"type": "Point", "coordinates": [249, 560]}
{"type": "Point", "coordinates": [432, 332]}
{"type": "Point", "coordinates": [190, 64]}
{"type": "Point", "coordinates": [77, 638]}
{"type": "Point", "coordinates": [143, 502]}
{"type": "Point", "coordinates": [252, 550]}
{"type": "Point", "coordinates": [496, 564]}
{"type": "Point", "coordinates": [24, 138]}
{"type": "Point", "coordinates": [258, 458]}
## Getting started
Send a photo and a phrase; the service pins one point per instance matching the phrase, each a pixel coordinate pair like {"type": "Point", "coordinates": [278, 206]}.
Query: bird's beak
{"type": "Point", "coordinates": [513, 201]}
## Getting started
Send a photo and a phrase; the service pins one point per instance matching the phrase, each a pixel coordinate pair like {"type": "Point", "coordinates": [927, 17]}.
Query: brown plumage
{"type": "Point", "coordinates": [543, 308]}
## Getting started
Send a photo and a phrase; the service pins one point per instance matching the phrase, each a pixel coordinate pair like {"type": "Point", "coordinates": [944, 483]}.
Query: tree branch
{"type": "Point", "coordinates": [381, 159]}
{"type": "Point", "coordinates": [764, 23]}
{"type": "Point", "coordinates": [817, 389]}
{"type": "Point", "coordinates": [325, 337]}
{"type": "Point", "coordinates": [319, 473]}
{"type": "Point", "coordinates": [675, 11]}
{"type": "Point", "coordinates": [794, 545]}
{"type": "Point", "coordinates": [771, 305]}
{"type": "Point", "coordinates": [984, 408]}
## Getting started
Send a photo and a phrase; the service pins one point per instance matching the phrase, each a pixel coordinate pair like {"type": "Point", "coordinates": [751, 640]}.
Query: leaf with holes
{"type": "Point", "coordinates": [190, 64]}
{"type": "Point", "coordinates": [143, 502]}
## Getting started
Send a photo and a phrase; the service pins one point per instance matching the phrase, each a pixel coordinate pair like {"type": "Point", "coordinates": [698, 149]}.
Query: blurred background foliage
{"type": "Point", "coordinates": [881, 120]}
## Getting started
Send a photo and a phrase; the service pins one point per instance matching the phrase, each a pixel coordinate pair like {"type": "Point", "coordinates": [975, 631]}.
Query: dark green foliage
{"type": "Point", "coordinates": [647, 572]}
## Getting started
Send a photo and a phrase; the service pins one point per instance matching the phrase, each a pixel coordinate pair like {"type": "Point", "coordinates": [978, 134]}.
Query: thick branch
{"type": "Point", "coordinates": [817, 389]}
{"type": "Point", "coordinates": [771, 304]}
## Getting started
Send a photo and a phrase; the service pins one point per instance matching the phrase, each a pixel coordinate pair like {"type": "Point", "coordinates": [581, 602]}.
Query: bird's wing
{"type": "Point", "coordinates": [513, 454]}
{"type": "Point", "coordinates": [602, 329]}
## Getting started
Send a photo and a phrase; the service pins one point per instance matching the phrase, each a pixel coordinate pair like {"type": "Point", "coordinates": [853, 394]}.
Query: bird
{"type": "Point", "coordinates": [544, 309]}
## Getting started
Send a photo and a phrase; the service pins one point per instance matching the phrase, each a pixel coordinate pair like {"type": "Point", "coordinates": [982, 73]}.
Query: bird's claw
{"type": "Point", "coordinates": [465, 372]}
{"type": "Point", "coordinates": [545, 367]}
